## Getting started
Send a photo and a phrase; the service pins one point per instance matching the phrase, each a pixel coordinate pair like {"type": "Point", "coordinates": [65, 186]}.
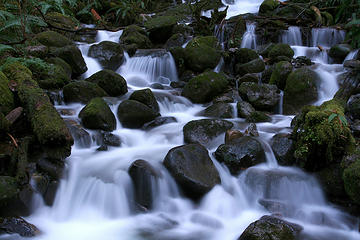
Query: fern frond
{"type": "Point", "coordinates": [4, 48]}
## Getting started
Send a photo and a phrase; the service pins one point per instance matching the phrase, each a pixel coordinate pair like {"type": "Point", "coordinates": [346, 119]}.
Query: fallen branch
{"type": "Point", "coordinates": [13, 140]}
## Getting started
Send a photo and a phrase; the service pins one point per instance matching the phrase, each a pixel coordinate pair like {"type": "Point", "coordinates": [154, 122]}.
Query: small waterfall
{"type": "Point", "coordinates": [220, 35]}
{"type": "Point", "coordinates": [249, 37]}
{"type": "Point", "coordinates": [292, 36]}
{"type": "Point", "coordinates": [314, 53]}
{"type": "Point", "coordinates": [220, 65]}
{"type": "Point", "coordinates": [149, 66]}
{"type": "Point", "coordinates": [281, 102]}
{"type": "Point", "coordinates": [326, 37]}
{"type": "Point", "coordinates": [352, 55]}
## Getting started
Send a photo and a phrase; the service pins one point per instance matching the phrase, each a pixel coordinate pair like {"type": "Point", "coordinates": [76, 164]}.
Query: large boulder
{"type": "Point", "coordinates": [244, 109]}
{"type": "Point", "coordinates": [353, 106]}
{"type": "Point", "coordinates": [300, 89]}
{"type": "Point", "coordinates": [160, 28]}
{"type": "Point", "coordinates": [72, 55]}
{"type": "Point", "coordinates": [97, 115]}
{"type": "Point", "coordinates": [268, 6]}
{"type": "Point", "coordinates": [339, 52]}
{"type": "Point", "coordinates": [254, 66]}
{"type": "Point", "coordinates": [219, 110]}
{"type": "Point", "coordinates": [204, 130]}
{"type": "Point", "coordinates": [245, 55]}
{"type": "Point", "coordinates": [53, 39]}
{"type": "Point", "coordinates": [17, 225]}
{"type": "Point", "coordinates": [113, 83]}
{"type": "Point", "coordinates": [146, 96]}
{"type": "Point", "coordinates": [281, 49]}
{"type": "Point", "coordinates": [143, 176]}
{"type": "Point", "coordinates": [202, 53]}
{"type": "Point", "coordinates": [283, 148]}
{"type": "Point", "coordinates": [240, 153]}
{"type": "Point", "coordinates": [134, 114]}
{"type": "Point", "coordinates": [351, 177]}
{"type": "Point", "coordinates": [205, 87]}
{"type": "Point", "coordinates": [109, 54]}
{"type": "Point", "coordinates": [271, 228]}
{"type": "Point", "coordinates": [82, 91]}
{"type": "Point", "coordinates": [158, 122]}
{"type": "Point", "coordinates": [7, 102]}
{"type": "Point", "coordinates": [261, 96]}
{"type": "Point", "coordinates": [192, 169]}
{"type": "Point", "coordinates": [280, 74]}
{"type": "Point", "coordinates": [134, 37]}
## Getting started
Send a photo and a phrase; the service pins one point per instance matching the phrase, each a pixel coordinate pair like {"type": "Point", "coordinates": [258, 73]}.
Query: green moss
{"type": "Point", "coordinates": [268, 6]}
{"type": "Point", "coordinates": [351, 177]}
{"type": "Point", "coordinates": [4, 124]}
{"type": "Point", "coordinates": [135, 35]}
{"type": "Point", "coordinates": [281, 49]}
{"type": "Point", "coordinates": [53, 39]}
{"type": "Point", "coordinates": [320, 142]}
{"type": "Point", "coordinates": [6, 96]}
{"type": "Point", "coordinates": [110, 81]}
{"type": "Point", "coordinates": [8, 189]}
{"type": "Point", "coordinates": [280, 74]}
{"type": "Point", "coordinates": [257, 116]}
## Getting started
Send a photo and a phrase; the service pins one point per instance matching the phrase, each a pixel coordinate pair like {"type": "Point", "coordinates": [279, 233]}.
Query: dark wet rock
{"type": "Point", "coordinates": [257, 116]}
{"type": "Point", "coordinates": [17, 225]}
{"type": "Point", "coordinates": [302, 61]}
{"type": "Point", "coordinates": [82, 91]}
{"type": "Point", "coordinates": [244, 109]}
{"type": "Point", "coordinates": [277, 207]}
{"type": "Point", "coordinates": [231, 135]}
{"type": "Point", "coordinates": [72, 55]}
{"type": "Point", "coordinates": [110, 139]}
{"type": "Point", "coordinates": [176, 40]}
{"type": "Point", "coordinates": [339, 52]}
{"type": "Point", "coordinates": [249, 77]}
{"type": "Point", "coordinates": [240, 153]}
{"type": "Point", "coordinates": [283, 148]}
{"type": "Point", "coordinates": [145, 96]}
{"type": "Point", "coordinates": [134, 37]}
{"type": "Point", "coordinates": [97, 115]}
{"type": "Point", "coordinates": [300, 89]}
{"type": "Point", "coordinates": [353, 106]}
{"type": "Point", "coordinates": [261, 96]}
{"type": "Point", "coordinates": [281, 49]}
{"type": "Point", "coordinates": [81, 136]}
{"type": "Point", "coordinates": [331, 179]}
{"type": "Point", "coordinates": [352, 64]}
{"type": "Point", "coordinates": [271, 228]}
{"type": "Point", "coordinates": [109, 54]}
{"type": "Point", "coordinates": [157, 86]}
{"type": "Point", "coordinates": [53, 169]}
{"type": "Point", "coordinates": [219, 110]}
{"type": "Point", "coordinates": [207, 221]}
{"type": "Point", "coordinates": [280, 74]}
{"type": "Point", "coordinates": [158, 122]}
{"type": "Point", "coordinates": [143, 176]}
{"type": "Point", "coordinates": [202, 53]}
{"type": "Point", "coordinates": [351, 177]}
{"type": "Point", "coordinates": [192, 169]}
{"type": "Point", "coordinates": [178, 84]}
{"type": "Point", "coordinates": [160, 28]}
{"type": "Point", "coordinates": [53, 39]}
{"type": "Point", "coordinates": [204, 130]}
{"type": "Point", "coordinates": [134, 114]}
{"type": "Point", "coordinates": [50, 193]}
{"type": "Point", "coordinates": [254, 66]}
{"type": "Point", "coordinates": [205, 87]}
{"type": "Point", "coordinates": [251, 130]}
{"type": "Point", "coordinates": [113, 83]}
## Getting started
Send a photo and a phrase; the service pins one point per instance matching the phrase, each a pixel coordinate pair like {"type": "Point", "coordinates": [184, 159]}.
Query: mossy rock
{"type": "Point", "coordinates": [146, 96]}
{"type": "Point", "coordinates": [245, 55]}
{"type": "Point", "coordinates": [72, 55]}
{"type": "Point", "coordinates": [281, 49]}
{"type": "Point", "coordinates": [134, 37]}
{"type": "Point", "coordinates": [160, 28]}
{"type": "Point", "coordinates": [205, 87]}
{"type": "Point", "coordinates": [267, 7]}
{"type": "Point", "coordinates": [280, 74]}
{"type": "Point", "coordinates": [113, 84]}
{"type": "Point", "coordinates": [4, 124]}
{"type": "Point", "coordinates": [351, 177]}
{"type": "Point", "coordinates": [60, 62]}
{"type": "Point", "coordinates": [202, 53]}
{"type": "Point", "coordinates": [7, 102]}
{"type": "Point", "coordinates": [62, 21]}
{"type": "Point", "coordinates": [244, 109]}
{"type": "Point", "coordinates": [339, 52]}
{"type": "Point", "coordinates": [257, 116]}
{"type": "Point", "coordinates": [8, 190]}
{"type": "Point", "coordinates": [237, 26]}
{"type": "Point", "coordinates": [109, 54]}
{"type": "Point", "coordinates": [82, 91]}
{"type": "Point", "coordinates": [300, 89]}
{"type": "Point", "coordinates": [320, 140]}
{"type": "Point", "coordinates": [46, 123]}
{"type": "Point", "coordinates": [219, 110]}
{"type": "Point", "coordinates": [254, 66]}
{"type": "Point", "coordinates": [53, 39]}
{"type": "Point", "coordinates": [97, 115]}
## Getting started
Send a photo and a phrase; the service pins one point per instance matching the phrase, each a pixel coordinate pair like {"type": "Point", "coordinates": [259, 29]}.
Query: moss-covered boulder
{"type": "Point", "coordinates": [53, 39]}
{"type": "Point", "coordinates": [6, 96]}
{"type": "Point", "coordinates": [8, 190]}
{"type": "Point", "coordinates": [321, 136]}
{"type": "Point", "coordinates": [160, 28]}
{"type": "Point", "coordinates": [97, 115]}
{"type": "Point", "coordinates": [113, 83]}
{"type": "Point", "coordinates": [109, 54]}
{"type": "Point", "coordinates": [219, 110]}
{"type": "Point", "coordinates": [240, 153]}
{"type": "Point", "coordinates": [281, 49]}
{"type": "Point", "coordinates": [245, 55]}
{"type": "Point", "coordinates": [261, 96]}
{"type": "Point", "coordinates": [271, 228]}
{"type": "Point", "coordinates": [82, 91]}
{"type": "Point", "coordinates": [339, 52]}
{"type": "Point", "coordinates": [202, 53]}
{"type": "Point", "coordinates": [280, 74]}
{"type": "Point", "coordinates": [192, 168]}
{"type": "Point", "coordinates": [254, 66]}
{"type": "Point", "coordinates": [60, 62]}
{"type": "Point", "coordinates": [204, 130]}
{"type": "Point", "coordinates": [134, 114]}
{"type": "Point", "coordinates": [205, 87]}
{"type": "Point", "coordinates": [4, 124]}
{"type": "Point", "coordinates": [351, 177]}
{"type": "Point", "coordinates": [267, 7]}
{"type": "Point", "coordinates": [300, 89]}
{"type": "Point", "coordinates": [62, 21]}
{"type": "Point", "coordinates": [249, 77]}
{"type": "Point", "coordinates": [258, 116]}
{"type": "Point", "coordinates": [146, 96]}
{"type": "Point", "coordinates": [46, 123]}
{"type": "Point", "coordinates": [244, 109]}
{"type": "Point", "coordinates": [133, 38]}
{"type": "Point", "coordinates": [72, 55]}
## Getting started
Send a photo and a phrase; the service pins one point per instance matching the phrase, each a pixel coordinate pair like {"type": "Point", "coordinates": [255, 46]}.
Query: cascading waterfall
{"type": "Point", "coordinates": [326, 37]}
{"type": "Point", "coordinates": [292, 36]}
{"type": "Point", "coordinates": [352, 55]}
{"type": "Point", "coordinates": [249, 38]}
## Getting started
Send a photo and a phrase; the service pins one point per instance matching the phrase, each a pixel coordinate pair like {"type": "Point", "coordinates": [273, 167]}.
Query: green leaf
{"type": "Point", "coordinates": [4, 48]}
{"type": "Point", "coordinates": [332, 116]}
{"type": "Point", "coordinates": [343, 120]}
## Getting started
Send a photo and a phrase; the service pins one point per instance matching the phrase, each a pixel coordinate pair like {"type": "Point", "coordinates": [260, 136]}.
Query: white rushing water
{"type": "Point", "coordinates": [292, 36]}
{"type": "Point", "coordinates": [249, 37]}
{"type": "Point", "coordinates": [95, 199]}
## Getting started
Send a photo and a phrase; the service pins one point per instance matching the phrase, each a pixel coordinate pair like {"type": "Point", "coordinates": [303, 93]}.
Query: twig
{"type": "Point", "coordinates": [13, 140]}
